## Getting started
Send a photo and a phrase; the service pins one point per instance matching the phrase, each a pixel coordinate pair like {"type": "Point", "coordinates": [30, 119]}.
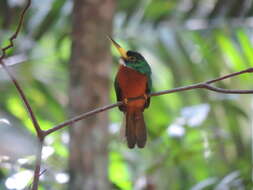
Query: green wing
{"type": "Point", "coordinates": [148, 90]}
{"type": "Point", "coordinates": [118, 94]}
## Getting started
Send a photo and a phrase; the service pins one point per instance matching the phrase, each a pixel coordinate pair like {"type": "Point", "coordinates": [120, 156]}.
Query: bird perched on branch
{"type": "Point", "coordinates": [133, 80]}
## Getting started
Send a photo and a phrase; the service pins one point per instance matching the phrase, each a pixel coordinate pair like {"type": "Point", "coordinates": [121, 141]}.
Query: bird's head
{"type": "Point", "coordinates": [132, 59]}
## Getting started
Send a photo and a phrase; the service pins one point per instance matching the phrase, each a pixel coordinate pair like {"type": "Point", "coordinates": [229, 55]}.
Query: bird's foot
{"type": "Point", "coordinates": [125, 101]}
{"type": "Point", "coordinates": [145, 97]}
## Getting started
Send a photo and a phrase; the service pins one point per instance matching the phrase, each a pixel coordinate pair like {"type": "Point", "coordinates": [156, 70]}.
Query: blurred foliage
{"type": "Point", "coordinates": [197, 139]}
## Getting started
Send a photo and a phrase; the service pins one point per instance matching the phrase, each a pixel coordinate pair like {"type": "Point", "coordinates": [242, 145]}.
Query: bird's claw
{"type": "Point", "coordinates": [145, 97]}
{"type": "Point", "coordinates": [125, 101]}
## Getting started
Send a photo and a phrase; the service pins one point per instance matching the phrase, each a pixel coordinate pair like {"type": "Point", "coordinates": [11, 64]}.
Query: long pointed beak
{"type": "Point", "coordinates": [122, 51]}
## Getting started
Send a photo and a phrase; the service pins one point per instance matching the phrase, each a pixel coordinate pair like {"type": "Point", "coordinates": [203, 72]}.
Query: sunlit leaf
{"type": "Point", "coordinates": [118, 172]}
{"type": "Point", "coordinates": [231, 53]}
{"type": "Point", "coordinates": [246, 45]}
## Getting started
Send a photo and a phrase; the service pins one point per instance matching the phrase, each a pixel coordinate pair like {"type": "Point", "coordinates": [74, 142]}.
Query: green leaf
{"type": "Point", "coordinates": [246, 45]}
{"type": "Point", "coordinates": [231, 53]}
{"type": "Point", "coordinates": [118, 171]}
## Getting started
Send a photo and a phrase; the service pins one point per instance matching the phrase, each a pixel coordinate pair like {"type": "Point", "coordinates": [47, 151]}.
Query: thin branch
{"type": "Point", "coordinates": [37, 172]}
{"type": "Point", "coordinates": [14, 81]}
{"type": "Point", "coordinates": [14, 36]}
{"type": "Point", "coordinates": [41, 173]}
{"type": "Point", "coordinates": [82, 116]}
{"type": "Point", "coordinates": [249, 70]}
{"type": "Point", "coordinates": [225, 91]}
{"type": "Point", "coordinates": [203, 85]}
{"type": "Point", "coordinates": [39, 132]}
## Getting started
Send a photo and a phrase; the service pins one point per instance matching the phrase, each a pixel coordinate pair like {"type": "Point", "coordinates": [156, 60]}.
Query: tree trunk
{"type": "Point", "coordinates": [89, 86]}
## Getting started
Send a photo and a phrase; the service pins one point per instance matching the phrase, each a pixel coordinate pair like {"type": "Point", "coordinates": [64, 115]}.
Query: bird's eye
{"type": "Point", "coordinates": [132, 58]}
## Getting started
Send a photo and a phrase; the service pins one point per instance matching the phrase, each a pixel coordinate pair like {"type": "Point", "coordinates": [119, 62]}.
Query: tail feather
{"type": "Point", "coordinates": [140, 130]}
{"type": "Point", "coordinates": [135, 129]}
{"type": "Point", "coordinates": [130, 132]}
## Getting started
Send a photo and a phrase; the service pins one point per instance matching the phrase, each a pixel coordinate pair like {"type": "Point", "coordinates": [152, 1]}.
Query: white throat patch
{"type": "Point", "coordinates": [122, 62]}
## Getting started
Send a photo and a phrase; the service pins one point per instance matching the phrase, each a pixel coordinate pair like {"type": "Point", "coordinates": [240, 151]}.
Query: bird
{"type": "Point", "coordinates": [133, 85]}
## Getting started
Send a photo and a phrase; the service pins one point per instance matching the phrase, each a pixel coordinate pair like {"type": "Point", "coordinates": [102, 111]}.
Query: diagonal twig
{"type": "Point", "coordinates": [25, 100]}
{"type": "Point", "coordinates": [14, 36]}
{"type": "Point", "coordinates": [14, 81]}
{"type": "Point", "coordinates": [249, 70]}
{"type": "Point", "coordinates": [81, 116]}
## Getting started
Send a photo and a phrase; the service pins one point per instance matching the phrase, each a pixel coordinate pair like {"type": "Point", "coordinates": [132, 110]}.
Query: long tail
{"type": "Point", "coordinates": [135, 129]}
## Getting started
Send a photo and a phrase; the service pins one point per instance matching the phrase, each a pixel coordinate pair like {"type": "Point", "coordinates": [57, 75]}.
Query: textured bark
{"type": "Point", "coordinates": [89, 86]}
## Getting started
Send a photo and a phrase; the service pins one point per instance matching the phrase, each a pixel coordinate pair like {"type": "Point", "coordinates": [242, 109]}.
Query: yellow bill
{"type": "Point", "coordinates": [122, 51]}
